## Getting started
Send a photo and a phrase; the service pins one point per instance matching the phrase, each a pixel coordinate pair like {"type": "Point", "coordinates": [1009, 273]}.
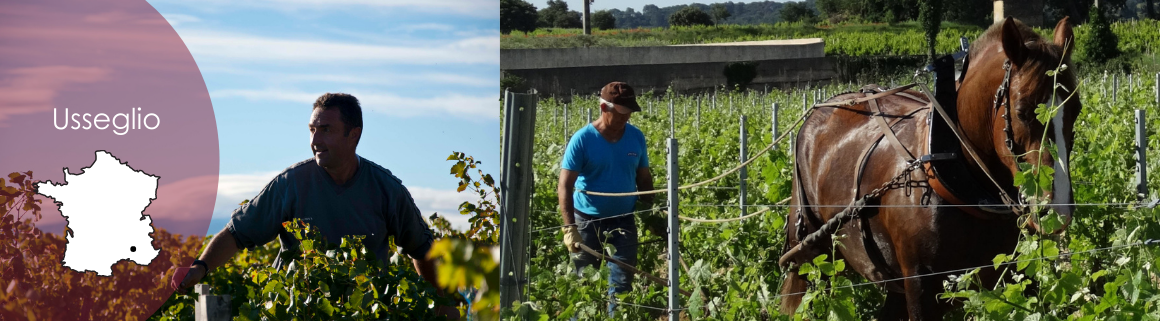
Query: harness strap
{"type": "Point", "coordinates": [913, 97]}
{"type": "Point", "coordinates": [852, 102]}
{"type": "Point", "coordinates": [862, 161]}
{"type": "Point", "coordinates": [969, 148]}
{"type": "Point", "coordinates": [880, 119]}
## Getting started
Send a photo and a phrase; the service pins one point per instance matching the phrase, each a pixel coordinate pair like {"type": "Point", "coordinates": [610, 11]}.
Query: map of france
{"type": "Point", "coordinates": [104, 207]}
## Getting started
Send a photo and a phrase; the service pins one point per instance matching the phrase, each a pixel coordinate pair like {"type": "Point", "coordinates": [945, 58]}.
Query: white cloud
{"type": "Point", "coordinates": [243, 186]}
{"type": "Point", "coordinates": [456, 105]}
{"type": "Point", "coordinates": [445, 202]}
{"type": "Point", "coordinates": [378, 78]}
{"type": "Point", "coordinates": [475, 8]}
{"type": "Point", "coordinates": [428, 26]}
{"type": "Point", "coordinates": [233, 188]}
{"type": "Point", "coordinates": [249, 48]}
{"type": "Point", "coordinates": [176, 19]}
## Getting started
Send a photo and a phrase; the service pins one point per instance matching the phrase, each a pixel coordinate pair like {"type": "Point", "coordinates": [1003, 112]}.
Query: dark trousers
{"type": "Point", "coordinates": [622, 236]}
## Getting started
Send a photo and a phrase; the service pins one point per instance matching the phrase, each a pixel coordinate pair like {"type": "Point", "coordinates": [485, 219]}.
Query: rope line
{"type": "Point", "coordinates": [1114, 247]}
{"type": "Point", "coordinates": [718, 177]}
{"type": "Point", "coordinates": [902, 206]}
{"type": "Point", "coordinates": [641, 306]}
{"type": "Point", "coordinates": [661, 208]}
{"type": "Point", "coordinates": [702, 220]}
{"type": "Point", "coordinates": [781, 205]}
{"type": "Point", "coordinates": [656, 279]}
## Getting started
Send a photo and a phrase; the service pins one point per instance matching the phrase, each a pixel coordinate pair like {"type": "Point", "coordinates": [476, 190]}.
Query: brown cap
{"type": "Point", "coordinates": [621, 94]}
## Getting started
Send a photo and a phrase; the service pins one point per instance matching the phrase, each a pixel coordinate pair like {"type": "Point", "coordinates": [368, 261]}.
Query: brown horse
{"type": "Point", "coordinates": [844, 152]}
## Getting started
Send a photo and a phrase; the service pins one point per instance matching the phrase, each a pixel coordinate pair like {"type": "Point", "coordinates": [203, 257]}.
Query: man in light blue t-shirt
{"type": "Point", "coordinates": [609, 156]}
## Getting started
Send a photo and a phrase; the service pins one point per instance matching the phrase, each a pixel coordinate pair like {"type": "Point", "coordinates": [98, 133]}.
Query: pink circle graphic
{"type": "Point", "coordinates": [81, 76]}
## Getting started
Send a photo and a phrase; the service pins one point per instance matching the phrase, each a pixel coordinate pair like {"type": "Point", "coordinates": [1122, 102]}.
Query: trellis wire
{"type": "Point", "coordinates": [900, 206]}
{"type": "Point", "coordinates": [718, 177]}
{"type": "Point", "coordinates": [774, 111]}
{"type": "Point", "coordinates": [1108, 248]}
{"type": "Point", "coordinates": [599, 219]}
{"type": "Point", "coordinates": [1114, 247]}
{"type": "Point", "coordinates": [782, 204]}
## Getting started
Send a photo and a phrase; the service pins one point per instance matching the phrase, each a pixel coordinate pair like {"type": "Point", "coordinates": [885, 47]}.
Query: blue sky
{"type": "Point", "coordinates": [425, 71]}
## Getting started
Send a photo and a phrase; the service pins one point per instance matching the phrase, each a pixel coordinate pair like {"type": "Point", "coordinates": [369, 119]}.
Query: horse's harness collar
{"type": "Point", "coordinates": [808, 240]}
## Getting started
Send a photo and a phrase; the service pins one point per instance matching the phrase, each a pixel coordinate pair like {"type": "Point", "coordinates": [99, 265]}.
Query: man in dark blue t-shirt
{"type": "Point", "coordinates": [609, 156]}
{"type": "Point", "coordinates": [336, 191]}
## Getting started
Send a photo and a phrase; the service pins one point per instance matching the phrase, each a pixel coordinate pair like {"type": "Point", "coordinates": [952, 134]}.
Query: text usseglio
{"type": "Point", "coordinates": [120, 122]}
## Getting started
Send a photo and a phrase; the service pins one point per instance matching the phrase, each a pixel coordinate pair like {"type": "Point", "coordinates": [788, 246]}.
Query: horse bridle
{"type": "Point", "coordinates": [1003, 98]}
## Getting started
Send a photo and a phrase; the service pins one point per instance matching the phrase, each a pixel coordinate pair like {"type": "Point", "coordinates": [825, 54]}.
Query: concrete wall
{"type": "Point", "coordinates": [1030, 12]}
{"type": "Point", "coordinates": [682, 76]}
{"type": "Point", "coordinates": [517, 59]}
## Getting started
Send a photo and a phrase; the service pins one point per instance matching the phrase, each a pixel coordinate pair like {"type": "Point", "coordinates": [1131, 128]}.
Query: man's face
{"type": "Point", "coordinates": [328, 140]}
{"type": "Point", "coordinates": [619, 114]}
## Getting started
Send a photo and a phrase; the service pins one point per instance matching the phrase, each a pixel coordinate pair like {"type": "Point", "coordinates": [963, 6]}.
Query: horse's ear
{"type": "Point", "coordinates": [1064, 36]}
{"type": "Point", "coordinates": [1013, 42]}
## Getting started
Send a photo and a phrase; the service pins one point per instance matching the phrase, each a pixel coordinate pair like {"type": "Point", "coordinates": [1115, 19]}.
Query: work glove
{"type": "Point", "coordinates": [653, 221]}
{"type": "Point", "coordinates": [572, 236]}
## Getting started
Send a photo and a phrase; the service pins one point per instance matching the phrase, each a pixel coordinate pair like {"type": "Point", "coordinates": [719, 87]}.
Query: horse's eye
{"type": "Point", "coordinates": [1021, 111]}
{"type": "Point", "coordinates": [1025, 113]}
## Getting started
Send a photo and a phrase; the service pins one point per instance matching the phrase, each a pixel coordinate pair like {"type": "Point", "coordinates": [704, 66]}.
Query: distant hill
{"type": "Point", "coordinates": [741, 13]}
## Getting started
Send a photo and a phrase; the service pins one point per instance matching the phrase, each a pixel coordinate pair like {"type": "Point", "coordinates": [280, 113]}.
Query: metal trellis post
{"type": "Point", "coordinates": [1141, 156]}
{"type": "Point", "coordinates": [674, 234]}
{"type": "Point", "coordinates": [672, 126]}
{"type": "Point", "coordinates": [698, 123]}
{"type": "Point", "coordinates": [773, 123]}
{"type": "Point", "coordinates": [743, 173]}
{"type": "Point", "coordinates": [515, 193]}
{"type": "Point", "coordinates": [805, 100]}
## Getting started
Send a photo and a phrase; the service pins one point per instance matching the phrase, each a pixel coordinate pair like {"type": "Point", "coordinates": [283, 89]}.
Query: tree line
{"type": "Point", "coordinates": [523, 16]}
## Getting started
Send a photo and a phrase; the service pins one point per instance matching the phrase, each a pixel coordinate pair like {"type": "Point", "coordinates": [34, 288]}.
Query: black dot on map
{"type": "Point", "coordinates": [132, 249]}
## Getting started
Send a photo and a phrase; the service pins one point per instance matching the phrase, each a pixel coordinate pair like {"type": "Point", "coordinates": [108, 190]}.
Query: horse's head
{"type": "Point", "coordinates": [1018, 134]}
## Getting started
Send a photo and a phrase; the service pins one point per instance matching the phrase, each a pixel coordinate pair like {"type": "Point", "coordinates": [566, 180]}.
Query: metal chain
{"type": "Point", "coordinates": [896, 181]}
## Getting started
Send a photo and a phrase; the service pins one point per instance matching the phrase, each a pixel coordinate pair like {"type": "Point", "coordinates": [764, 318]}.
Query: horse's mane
{"type": "Point", "coordinates": [1041, 50]}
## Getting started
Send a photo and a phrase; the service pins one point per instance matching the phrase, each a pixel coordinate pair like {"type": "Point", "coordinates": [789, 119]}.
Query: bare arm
{"type": "Point", "coordinates": [220, 250]}
{"type": "Point", "coordinates": [644, 182]}
{"type": "Point", "coordinates": [426, 269]}
{"type": "Point", "coordinates": [564, 192]}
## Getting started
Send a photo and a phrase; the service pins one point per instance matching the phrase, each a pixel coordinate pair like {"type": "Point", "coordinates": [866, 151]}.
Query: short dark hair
{"type": "Point", "coordinates": [347, 106]}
